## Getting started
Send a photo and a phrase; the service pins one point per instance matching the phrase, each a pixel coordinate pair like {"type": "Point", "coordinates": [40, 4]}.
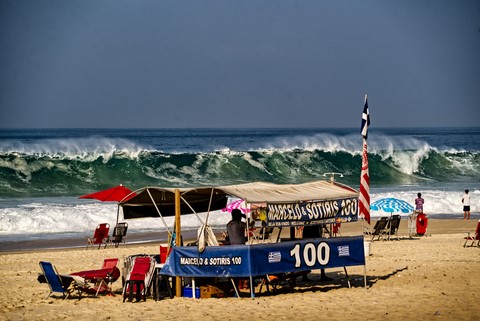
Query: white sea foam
{"type": "Point", "coordinates": [326, 142]}
{"type": "Point", "coordinates": [68, 215]}
{"type": "Point", "coordinates": [37, 218]}
{"type": "Point", "coordinates": [85, 149]}
{"type": "Point", "coordinates": [436, 202]}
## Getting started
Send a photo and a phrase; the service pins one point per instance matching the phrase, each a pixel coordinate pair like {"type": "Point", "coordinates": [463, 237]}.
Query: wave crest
{"type": "Point", "coordinates": [75, 166]}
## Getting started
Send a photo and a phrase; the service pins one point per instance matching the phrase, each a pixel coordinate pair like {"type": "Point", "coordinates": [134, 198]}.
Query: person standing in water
{"type": "Point", "coordinates": [466, 205]}
{"type": "Point", "coordinates": [419, 203]}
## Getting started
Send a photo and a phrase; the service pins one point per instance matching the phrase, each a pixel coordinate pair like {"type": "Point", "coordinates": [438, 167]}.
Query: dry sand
{"type": "Point", "coordinates": [420, 278]}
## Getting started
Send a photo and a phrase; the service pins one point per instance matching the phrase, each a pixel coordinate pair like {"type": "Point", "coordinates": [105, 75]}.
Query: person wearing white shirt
{"type": "Point", "coordinates": [466, 205]}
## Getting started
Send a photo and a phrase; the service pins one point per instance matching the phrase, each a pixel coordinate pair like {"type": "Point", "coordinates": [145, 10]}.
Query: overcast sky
{"type": "Point", "coordinates": [263, 63]}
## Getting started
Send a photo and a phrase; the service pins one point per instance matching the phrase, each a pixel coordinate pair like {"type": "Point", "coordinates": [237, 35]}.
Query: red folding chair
{"type": "Point", "coordinates": [139, 278]}
{"type": "Point", "coordinates": [109, 263]}
{"type": "Point", "coordinates": [103, 278]}
{"type": "Point", "coordinates": [164, 253]}
{"type": "Point", "coordinates": [336, 229]}
{"type": "Point", "coordinates": [100, 236]}
{"type": "Point", "coordinates": [473, 236]}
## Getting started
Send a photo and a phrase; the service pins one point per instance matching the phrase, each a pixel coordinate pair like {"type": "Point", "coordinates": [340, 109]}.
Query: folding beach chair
{"type": "Point", "coordinates": [282, 279]}
{"type": "Point", "coordinates": [109, 263]}
{"type": "Point", "coordinates": [102, 279]}
{"type": "Point", "coordinates": [162, 282]}
{"type": "Point", "coordinates": [139, 278]}
{"type": "Point", "coordinates": [393, 225]}
{"type": "Point", "coordinates": [379, 229]}
{"type": "Point", "coordinates": [336, 229]}
{"type": "Point", "coordinates": [274, 235]}
{"type": "Point", "coordinates": [164, 253]}
{"type": "Point", "coordinates": [119, 234]}
{"type": "Point", "coordinates": [473, 236]}
{"type": "Point", "coordinates": [65, 285]}
{"type": "Point", "coordinates": [100, 236]}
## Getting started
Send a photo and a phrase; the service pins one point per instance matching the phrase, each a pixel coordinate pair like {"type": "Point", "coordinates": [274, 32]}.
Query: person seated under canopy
{"type": "Point", "coordinates": [236, 228]}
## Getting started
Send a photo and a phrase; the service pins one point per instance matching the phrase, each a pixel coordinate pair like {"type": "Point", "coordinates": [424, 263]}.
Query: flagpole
{"type": "Point", "coordinates": [364, 195]}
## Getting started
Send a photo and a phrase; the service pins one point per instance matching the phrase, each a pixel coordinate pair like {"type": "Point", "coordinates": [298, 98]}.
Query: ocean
{"type": "Point", "coordinates": [44, 171]}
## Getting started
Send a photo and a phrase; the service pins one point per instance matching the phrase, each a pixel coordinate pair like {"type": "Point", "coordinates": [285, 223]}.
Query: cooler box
{"type": "Point", "coordinates": [188, 293]}
{"type": "Point", "coordinates": [422, 222]}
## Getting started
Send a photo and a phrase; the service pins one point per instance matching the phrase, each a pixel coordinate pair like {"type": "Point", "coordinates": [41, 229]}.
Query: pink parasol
{"type": "Point", "coordinates": [238, 204]}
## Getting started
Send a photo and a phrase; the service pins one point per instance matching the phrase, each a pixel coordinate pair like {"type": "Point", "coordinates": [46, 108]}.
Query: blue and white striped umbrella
{"type": "Point", "coordinates": [391, 205]}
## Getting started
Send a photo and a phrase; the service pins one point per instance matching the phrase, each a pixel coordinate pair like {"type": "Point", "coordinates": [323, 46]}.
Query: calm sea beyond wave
{"type": "Point", "coordinates": [44, 171]}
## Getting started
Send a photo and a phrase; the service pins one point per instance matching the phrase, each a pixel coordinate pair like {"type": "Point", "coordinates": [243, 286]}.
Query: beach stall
{"type": "Point", "coordinates": [282, 206]}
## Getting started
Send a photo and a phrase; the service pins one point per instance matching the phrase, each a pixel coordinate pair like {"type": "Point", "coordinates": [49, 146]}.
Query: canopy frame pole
{"type": "Point", "coordinates": [193, 211]}
{"type": "Point", "coordinates": [247, 205]}
{"type": "Point", "coordinates": [365, 275]}
{"type": "Point", "coordinates": [178, 279]}
{"type": "Point", "coordinates": [118, 213]}
{"type": "Point", "coordinates": [209, 205]}
{"type": "Point", "coordinates": [159, 213]}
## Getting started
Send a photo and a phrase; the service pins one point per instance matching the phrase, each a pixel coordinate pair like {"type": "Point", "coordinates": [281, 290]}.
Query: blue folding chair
{"type": "Point", "coordinates": [56, 283]}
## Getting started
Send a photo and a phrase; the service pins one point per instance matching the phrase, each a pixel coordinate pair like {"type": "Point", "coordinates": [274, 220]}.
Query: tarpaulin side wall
{"type": "Point", "coordinates": [263, 259]}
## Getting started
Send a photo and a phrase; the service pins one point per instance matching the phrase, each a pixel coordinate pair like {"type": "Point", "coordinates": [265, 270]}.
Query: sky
{"type": "Point", "coordinates": [238, 64]}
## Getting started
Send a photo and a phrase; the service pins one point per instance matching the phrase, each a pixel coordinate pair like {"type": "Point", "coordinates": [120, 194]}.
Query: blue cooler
{"type": "Point", "coordinates": [188, 293]}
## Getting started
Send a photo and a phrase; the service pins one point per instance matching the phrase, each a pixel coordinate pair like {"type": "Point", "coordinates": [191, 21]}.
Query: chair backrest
{"type": "Point", "coordinates": [109, 263]}
{"type": "Point", "coordinates": [141, 265]}
{"type": "Point", "coordinates": [380, 225]}
{"type": "Point", "coordinates": [53, 280]}
{"type": "Point", "coordinates": [395, 223]}
{"type": "Point", "coordinates": [336, 228]}
{"type": "Point", "coordinates": [275, 234]}
{"type": "Point", "coordinates": [164, 253]}
{"type": "Point", "coordinates": [142, 269]}
{"type": "Point", "coordinates": [101, 233]}
{"type": "Point", "coordinates": [120, 230]}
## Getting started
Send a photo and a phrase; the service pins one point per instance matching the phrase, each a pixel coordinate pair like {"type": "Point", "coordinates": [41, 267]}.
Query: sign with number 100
{"type": "Point", "coordinates": [311, 254]}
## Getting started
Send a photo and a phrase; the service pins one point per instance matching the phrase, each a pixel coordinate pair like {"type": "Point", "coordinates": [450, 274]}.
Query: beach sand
{"type": "Point", "coordinates": [422, 278]}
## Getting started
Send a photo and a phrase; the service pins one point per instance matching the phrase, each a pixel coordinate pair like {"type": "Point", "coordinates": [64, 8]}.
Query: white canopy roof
{"type": "Point", "coordinates": [201, 199]}
{"type": "Point", "coordinates": [261, 192]}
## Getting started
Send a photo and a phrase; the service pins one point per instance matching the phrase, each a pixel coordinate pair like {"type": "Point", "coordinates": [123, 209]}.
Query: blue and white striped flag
{"type": "Point", "coordinates": [365, 119]}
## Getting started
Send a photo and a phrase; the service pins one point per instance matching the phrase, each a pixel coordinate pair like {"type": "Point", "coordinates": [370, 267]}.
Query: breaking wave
{"type": "Point", "coordinates": [70, 167]}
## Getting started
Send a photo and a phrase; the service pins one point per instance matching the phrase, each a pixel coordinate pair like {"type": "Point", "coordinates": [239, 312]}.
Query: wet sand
{"type": "Point", "coordinates": [436, 225]}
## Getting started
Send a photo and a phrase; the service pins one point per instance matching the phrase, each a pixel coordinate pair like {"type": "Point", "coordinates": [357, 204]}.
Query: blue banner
{"type": "Point", "coordinates": [267, 258]}
{"type": "Point", "coordinates": [312, 213]}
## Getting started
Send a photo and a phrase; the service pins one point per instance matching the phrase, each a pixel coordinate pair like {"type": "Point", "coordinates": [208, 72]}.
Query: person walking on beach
{"type": "Point", "coordinates": [466, 205]}
{"type": "Point", "coordinates": [419, 203]}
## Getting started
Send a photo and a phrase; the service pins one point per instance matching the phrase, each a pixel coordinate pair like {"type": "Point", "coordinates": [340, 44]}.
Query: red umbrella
{"type": "Point", "coordinates": [114, 194]}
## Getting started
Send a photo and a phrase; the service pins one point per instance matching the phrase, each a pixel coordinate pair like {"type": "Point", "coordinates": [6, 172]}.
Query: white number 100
{"type": "Point", "coordinates": [311, 254]}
